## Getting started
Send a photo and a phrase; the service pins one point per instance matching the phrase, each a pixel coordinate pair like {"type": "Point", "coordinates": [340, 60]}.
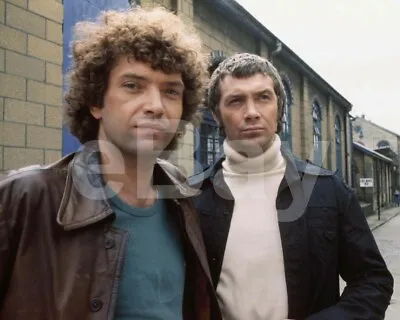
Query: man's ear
{"type": "Point", "coordinates": [96, 112]}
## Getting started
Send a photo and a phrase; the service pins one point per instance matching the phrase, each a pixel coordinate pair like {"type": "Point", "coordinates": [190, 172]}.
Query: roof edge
{"type": "Point", "coordinates": [244, 17]}
{"type": "Point", "coordinates": [371, 152]}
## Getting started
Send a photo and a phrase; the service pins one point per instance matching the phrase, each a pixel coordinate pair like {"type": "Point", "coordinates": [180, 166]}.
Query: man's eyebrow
{"type": "Point", "coordinates": [134, 76]}
{"type": "Point", "coordinates": [239, 95]}
{"type": "Point", "coordinates": [236, 95]}
{"type": "Point", "coordinates": [176, 83]}
{"type": "Point", "coordinates": [269, 91]}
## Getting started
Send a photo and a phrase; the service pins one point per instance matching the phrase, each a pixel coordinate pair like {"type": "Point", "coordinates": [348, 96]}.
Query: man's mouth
{"type": "Point", "coordinates": [252, 129]}
{"type": "Point", "coordinates": [151, 127]}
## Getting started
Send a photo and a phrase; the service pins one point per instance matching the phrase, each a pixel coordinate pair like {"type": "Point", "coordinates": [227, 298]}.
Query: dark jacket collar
{"type": "Point", "coordinates": [84, 199]}
{"type": "Point", "coordinates": [294, 172]}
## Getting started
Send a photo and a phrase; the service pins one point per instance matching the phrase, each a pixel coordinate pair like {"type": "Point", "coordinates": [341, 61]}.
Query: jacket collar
{"type": "Point", "coordinates": [84, 199]}
{"type": "Point", "coordinates": [294, 172]}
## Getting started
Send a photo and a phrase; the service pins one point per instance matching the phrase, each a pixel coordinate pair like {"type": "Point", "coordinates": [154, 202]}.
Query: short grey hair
{"type": "Point", "coordinates": [244, 65]}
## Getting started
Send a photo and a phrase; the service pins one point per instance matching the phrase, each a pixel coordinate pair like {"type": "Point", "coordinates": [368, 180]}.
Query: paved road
{"type": "Point", "coordinates": [387, 237]}
{"type": "Point", "coordinates": [388, 240]}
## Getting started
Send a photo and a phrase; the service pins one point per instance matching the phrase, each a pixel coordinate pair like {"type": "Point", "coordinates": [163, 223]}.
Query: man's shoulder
{"type": "Point", "coordinates": [199, 179]}
{"type": "Point", "coordinates": [307, 167]}
{"type": "Point", "coordinates": [327, 187]}
{"type": "Point", "coordinates": [177, 176]}
{"type": "Point", "coordinates": [172, 170]}
{"type": "Point", "coordinates": [32, 179]}
{"type": "Point", "coordinates": [331, 178]}
{"type": "Point", "coordinates": [23, 176]}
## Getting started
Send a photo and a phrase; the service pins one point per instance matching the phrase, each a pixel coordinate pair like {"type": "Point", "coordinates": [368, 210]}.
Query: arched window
{"type": "Point", "coordinates": [383, 144]}
{"type": "Point", "coordinates": [207, 144]}
{"type": "Point", "coordinates": [317, 133]}
{"type": "Point", "coordinates": [286, 132]}
{"type": "Point", "coordinates": [207, 139]}
{"type": "Point", "coordinates": [338, 143]}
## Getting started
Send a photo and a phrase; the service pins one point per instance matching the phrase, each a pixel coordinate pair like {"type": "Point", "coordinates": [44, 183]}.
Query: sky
{"type": "Point", "coordinates": [353, 44]}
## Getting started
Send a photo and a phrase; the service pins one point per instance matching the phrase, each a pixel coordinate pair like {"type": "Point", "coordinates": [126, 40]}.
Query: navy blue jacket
{"type": "Point", "coordinates": [324, 234]}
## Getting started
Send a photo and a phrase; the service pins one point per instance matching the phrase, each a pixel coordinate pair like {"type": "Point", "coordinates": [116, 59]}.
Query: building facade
{"type": "Point", "coordinates": [369, 164]}
{"type": "Point", "coordinates": [381, 140]}
{"type": "Point", "coordinates": [316, 120]}
{"type": "Point", "coordinates": [31, 55]}
{"type": "Point", "coordinates": [34, 54]}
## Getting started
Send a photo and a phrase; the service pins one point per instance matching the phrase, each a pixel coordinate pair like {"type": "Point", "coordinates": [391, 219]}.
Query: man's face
{"type": "Point", "coordinates": [142, 108]}
{"type": "Point", "coordinates": [249, 112]}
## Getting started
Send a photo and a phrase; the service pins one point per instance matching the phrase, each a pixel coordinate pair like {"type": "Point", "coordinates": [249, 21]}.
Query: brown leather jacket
{"type": "Point", "coordinates": [60, 257]}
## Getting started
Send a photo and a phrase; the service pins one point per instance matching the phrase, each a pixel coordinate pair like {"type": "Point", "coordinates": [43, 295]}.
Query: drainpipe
{"type": "Point", "coordinates": [346, 149]}
{"type": "Point", "coordinates": [277, 50]}
{"type": "Point", "coordinates": [378, 184]}
{"type": "Point", "coordinates": [349, 149]}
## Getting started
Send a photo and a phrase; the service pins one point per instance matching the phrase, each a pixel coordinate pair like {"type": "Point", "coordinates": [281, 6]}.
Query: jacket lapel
{"type": "Point", "coordinates": [295, 254]}
{"type": "Point", "coordinates": [84, 199]}
{"type": "Point", "coordinates": [224, 205]}
{"type": "Point", "coordinates": [291, 204]}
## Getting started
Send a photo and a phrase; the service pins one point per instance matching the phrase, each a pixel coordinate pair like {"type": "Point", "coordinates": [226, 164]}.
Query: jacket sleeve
{"type": "Point", "coordinates": [11, 205]}
{"type": "Point", "coordinates": [5, 241]}
{"type": "Point", "coordinates": [369, 283]}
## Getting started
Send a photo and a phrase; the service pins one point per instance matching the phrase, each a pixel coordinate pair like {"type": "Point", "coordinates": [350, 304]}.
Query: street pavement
{"type": "Point", "coordinates": [386, 231]}
{"type": "Point", "coordinates": [385, 216]}
{"type": "Point", "coordinates": [388, 239]}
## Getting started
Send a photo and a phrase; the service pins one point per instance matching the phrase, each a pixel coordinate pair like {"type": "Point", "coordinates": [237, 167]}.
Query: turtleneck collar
{"type": "Point", "coordinates": [270, 160]}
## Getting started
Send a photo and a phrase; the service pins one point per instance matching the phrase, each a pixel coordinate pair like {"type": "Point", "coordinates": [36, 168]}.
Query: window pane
{"type": "Point", "coordinates": [210, 142]}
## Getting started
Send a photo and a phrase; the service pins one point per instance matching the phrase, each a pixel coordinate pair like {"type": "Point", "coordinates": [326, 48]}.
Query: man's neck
{"type": "Point", "coordinates": [251, 151]}
{"type": "Point", "coordinates": [265, 161]}
{"type": "Point", "coordinates": [130, 176]}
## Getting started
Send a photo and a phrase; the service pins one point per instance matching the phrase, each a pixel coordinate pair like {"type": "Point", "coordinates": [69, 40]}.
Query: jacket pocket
{"type": "Point", "coordinates": [324, 217]}
{"type": "Point", "coordinates": [323, 235]}
{"type": "Point", "coordinates": [322, 254]}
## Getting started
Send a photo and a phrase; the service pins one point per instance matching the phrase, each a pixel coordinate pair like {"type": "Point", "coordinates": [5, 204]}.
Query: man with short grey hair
{"type": "Point", "coordinates": [278, 230]}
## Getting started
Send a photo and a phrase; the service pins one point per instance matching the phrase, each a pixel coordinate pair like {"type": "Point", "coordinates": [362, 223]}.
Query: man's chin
{"type": "Point", "coordinates": [251, 146]}
{"type": "Point", "coordinates": [146, 150]}
{"type": "Point", "coordinates": [143, 149]}
{"type": "Point", "coordinates": [151, 145]}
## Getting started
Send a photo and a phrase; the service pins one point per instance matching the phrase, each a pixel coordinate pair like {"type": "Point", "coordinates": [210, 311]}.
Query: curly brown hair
{"type": "Point", "coordinates": [150, 35]}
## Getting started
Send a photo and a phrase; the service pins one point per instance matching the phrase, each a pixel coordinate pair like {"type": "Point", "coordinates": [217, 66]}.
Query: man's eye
{"type": "Point", "coordinates": [172, 92]}
{"type": "Point", "coordinates": [265, 97]}
{"type": "Point", "coordinates": [131, 85]}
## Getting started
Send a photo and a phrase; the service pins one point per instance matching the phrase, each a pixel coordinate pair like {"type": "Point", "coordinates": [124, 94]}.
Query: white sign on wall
{"type": "Point", "coordinates": [366, 182]}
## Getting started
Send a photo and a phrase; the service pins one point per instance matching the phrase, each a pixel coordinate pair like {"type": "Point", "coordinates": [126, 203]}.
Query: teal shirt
{"type": "Point", "coordinates": [153, 274]}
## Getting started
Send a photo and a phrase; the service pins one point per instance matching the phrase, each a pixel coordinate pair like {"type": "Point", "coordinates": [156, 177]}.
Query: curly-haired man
{"type": "Point", "coordinates": [108, 231]}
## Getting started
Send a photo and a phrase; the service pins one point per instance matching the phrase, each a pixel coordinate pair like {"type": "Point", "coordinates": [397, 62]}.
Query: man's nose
{"type": "Point", "coordinates": [252, 111]}
{"type": "Point", "coordinates": [154, 104]}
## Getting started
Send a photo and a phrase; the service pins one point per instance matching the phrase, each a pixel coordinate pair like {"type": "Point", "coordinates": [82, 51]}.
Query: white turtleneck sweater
{"type": "Point", "coordinates": [252, 285]}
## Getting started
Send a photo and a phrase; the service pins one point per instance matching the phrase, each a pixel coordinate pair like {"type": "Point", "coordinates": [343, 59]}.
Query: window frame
{"type": "Point", "coordinates": [317, 132]}
{"type": "Point", "coordinates": [338, 145]}
{"type": "Point", "coordinates": [207, 143]}
{"type": "Point", "coordinates": [286, 136]}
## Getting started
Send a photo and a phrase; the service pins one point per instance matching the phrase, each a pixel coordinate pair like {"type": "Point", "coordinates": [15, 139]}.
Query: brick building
{"type": "Point", "coordinates": [34, 47]}
{"type": "Point", "coordinates": [30, 82]}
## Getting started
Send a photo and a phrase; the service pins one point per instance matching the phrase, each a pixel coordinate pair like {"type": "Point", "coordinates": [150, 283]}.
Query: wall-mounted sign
{"type": "Point", "coordinates": [366, 182]}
